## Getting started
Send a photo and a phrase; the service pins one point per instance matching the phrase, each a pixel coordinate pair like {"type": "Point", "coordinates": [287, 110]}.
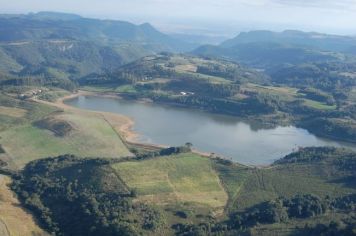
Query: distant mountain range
{"type": "Point", "coordinates": [69, 46]}
{"type": "Point", "coordinates": [298, 38]}
{"type": "Point", "coordinates": [48, 25]}
{"type": "Point", "coordinates": [266, 48]}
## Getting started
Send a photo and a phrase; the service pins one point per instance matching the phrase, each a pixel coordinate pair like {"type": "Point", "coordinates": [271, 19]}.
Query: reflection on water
{"type": "Point", "coordinates": [225, 135]}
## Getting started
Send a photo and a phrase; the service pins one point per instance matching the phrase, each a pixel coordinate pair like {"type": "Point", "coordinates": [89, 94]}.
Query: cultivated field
{"type": "Point", "coordinates": [185, 178]}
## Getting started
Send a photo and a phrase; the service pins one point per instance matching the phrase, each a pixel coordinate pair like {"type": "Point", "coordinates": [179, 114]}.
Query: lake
{"type": "Point", "coordinates": [227, 136]}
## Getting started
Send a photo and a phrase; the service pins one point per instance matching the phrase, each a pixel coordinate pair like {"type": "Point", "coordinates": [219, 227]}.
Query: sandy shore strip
{"type": "Point", "coordinates": [122, 124]}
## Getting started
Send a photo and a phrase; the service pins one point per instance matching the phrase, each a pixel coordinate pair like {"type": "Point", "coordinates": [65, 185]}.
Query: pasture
{"type": "Point", "coordinates": [92, 136]}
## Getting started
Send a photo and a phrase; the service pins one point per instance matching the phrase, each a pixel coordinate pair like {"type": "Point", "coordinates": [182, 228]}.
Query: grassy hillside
{"type": "Point", "coordinates": [32, 130]}
{"type": "Point", "coordinates": [91, 136]}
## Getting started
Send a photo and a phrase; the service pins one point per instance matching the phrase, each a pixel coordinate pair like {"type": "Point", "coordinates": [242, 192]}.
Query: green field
{"type": "Point", "coordinates": [318, 105]}
{"type": "Point", "coordinates": [92, 136]}
{"type": "Point", "coordinates": [183, 178]}
{"type": "Point", "coordinates": [23, 141]}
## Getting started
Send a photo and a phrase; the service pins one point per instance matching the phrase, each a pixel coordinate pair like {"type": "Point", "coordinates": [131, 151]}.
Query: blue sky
{"type": "Point", "coordinates": [223, 17]}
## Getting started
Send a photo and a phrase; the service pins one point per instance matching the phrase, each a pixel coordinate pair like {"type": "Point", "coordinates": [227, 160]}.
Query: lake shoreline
{"type": "Point", "coordinates": [122, 124]}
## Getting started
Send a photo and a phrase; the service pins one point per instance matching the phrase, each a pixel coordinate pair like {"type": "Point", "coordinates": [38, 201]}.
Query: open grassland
{"type": "Point", "coordinates": [183, 178]}
{"type": "Point", "coordinates": [288, 94]}
{"type": "Point", "coordinates": [92, 136]}
{"type": "Point", "coordinates": [287, 91]}
{"type": "Point", "coordinates": [110, 88]}
{"type": "Point", "coordinates": [15, 112]}
{"type": "Point", "coordinates": [186, 68]}
{"type": "Point", "coordinates": [318, 105]}
{"type": "Point", "coordinates": [14, 220]}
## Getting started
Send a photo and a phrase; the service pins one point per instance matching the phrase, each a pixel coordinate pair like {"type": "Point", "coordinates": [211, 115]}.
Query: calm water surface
{"type": "Point", "coordinates": [225, 135]}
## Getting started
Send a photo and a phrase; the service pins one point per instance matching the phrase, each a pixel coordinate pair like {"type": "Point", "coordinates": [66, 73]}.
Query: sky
{"type": "Point", "coordinates": [210, 17]}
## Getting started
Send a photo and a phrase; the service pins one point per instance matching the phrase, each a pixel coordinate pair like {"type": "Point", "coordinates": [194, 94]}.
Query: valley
{"type": "Point", "coordinates": [112, 128]}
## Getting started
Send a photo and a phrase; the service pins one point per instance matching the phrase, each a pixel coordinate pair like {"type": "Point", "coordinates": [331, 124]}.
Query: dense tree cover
{"type": "Point", "coordinates": [38, 80]}
{"type": "Point", "coordinates": [317, 95]}
{"type": "Point", "coordinates": [2, 163]}
{"type": "Point", "coordinates": [60, 128]}
{"type": "Point", "coordinates": [1, 149]}
{"type": "Point", "coordinates": [345, 228]}
{"type": "Point", "coordinates": [351, 110]}
{"type": "Point", "coordinates": [281, 210]}
{"type": "Point", "coordinates": [75, 196]}
{"type": "Point", "coordinates": [162, 152]}
{"type": "Point", "coordinates": [347, 203]}
{"type": "Point", "coordinates": [327, 76]}
{"type": "Point", "coordinates": [254, 105]}
{"type": "Point", "coordinates": [344, 129]}
{"type": "Point", "coordinates": [341, 157]}
{"type": "Point", "coordinates": [295, 37]}
{"type": "Point", "coordinates": [265, 54]}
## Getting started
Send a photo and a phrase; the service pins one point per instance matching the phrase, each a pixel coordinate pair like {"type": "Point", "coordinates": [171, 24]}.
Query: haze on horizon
{"type": "Point", "coordinates": [209, 17]}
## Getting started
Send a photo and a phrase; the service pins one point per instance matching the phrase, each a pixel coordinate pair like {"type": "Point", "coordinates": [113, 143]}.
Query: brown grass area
{"type": "Point", "coordinates": [12, 111]}
{"type": "Point", "coordinates": [187, 68]}
{"type": "Point", "coordinates": [14, 220]}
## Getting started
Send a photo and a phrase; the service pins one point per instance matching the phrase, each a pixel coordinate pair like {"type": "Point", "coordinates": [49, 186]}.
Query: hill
{"type": "Point", "coordinates": [264, 49]}
{"type": "Point", "coordinates": [306, 193]}
{"type": "Point", "coordinates": [266, 54]}
{"type": "Point", "coordinates": [314, 40]}
{"type": "Point", "coordinates": [57, 46]}
{"type": "Point", "coordinates": [47, 25]}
